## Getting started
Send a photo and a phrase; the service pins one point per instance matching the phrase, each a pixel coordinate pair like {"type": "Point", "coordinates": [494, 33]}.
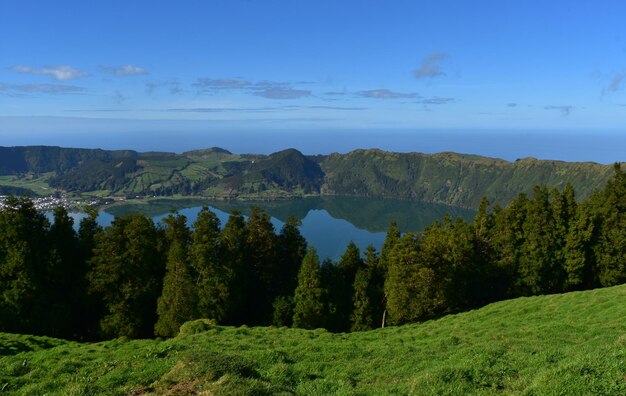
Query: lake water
{"type": "Point", "coordinates": [327, 223]}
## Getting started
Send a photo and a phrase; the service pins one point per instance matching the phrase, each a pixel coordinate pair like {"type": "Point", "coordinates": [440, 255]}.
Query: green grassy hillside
{"type": "Point", "coordinates": [448, 178]}
{"type": "Point", "coordinates": [569, 344]}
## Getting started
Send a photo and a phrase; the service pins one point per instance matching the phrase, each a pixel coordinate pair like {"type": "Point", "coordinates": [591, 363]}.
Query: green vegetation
{"type": "Point", "coordinates": [448, 178]}
{"type": "Point", "coordinates": [27, 184]}
{"type": "Point", "coordinates": [137, 279]}
{"type": "Point", "coordinates": [568, 344]}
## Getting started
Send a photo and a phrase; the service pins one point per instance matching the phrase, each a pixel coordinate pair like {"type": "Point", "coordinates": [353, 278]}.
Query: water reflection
{"type": "Point", "coordinates": [328, 223]}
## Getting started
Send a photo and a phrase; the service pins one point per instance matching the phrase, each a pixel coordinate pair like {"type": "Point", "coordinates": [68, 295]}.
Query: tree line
{"type": "Point", "coordinates": [136, 278]}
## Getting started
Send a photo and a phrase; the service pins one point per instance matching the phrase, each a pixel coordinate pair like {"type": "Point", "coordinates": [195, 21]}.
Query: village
{"type": "Point", "coordinates": [48, 203]}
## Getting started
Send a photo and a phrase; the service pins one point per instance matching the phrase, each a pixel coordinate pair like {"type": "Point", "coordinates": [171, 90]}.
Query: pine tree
{"type": "Point", "coordinates": [507, 240]}
{"type": "Point", "coordinates": [233, 250]}
{"type": "Point", "coordinates": [23, 267]}
{"type": "Point", "coordinates": [212, 277]}
{"type": "Point", "coordinates": [91, 308]}
{"type": "Point", "coordinates": [610, 248]}
{"type": "Point", "coordinates": [262, 258]}
{"type": "Point", "coordinates": [126, 275]}
{"type": "Point", "coordinates": [291, 250]}
{"type": "Point", "coordinates": [308, 310]}
{"type": "Point", "coordinates": [392, 238]}
{"type": "Point", "coordinates": [65, 285]}
{"type": "Point", "coordinates": [348, 266]}
{"type": "Point", "coordinates": [178, 301]}
{"type": "Point", "coordinates": [367, 296]}
{"type": "Point", "coordinates": [404, 278]}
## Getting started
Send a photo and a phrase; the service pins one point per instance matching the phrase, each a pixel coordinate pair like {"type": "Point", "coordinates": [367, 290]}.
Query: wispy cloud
{"type": "Point", "coordinates": [565, 110]}
{"type": "Point", "coordinates": [260, 109]}
{"type": "Point", "coordinates": [119, 97]}
{"type": "Point", "coordinates": [125, 70]}
{"type": "Point", "coordinates": [60, 73]}
{"type": "Point", "coordinates": [41, 88]}
{"type": "Point", "coordinates": [615, 84]}
{"type": "Point", "coordinates": [336, 108]}
{"type": "Point", "coordinates": [174, 87]}
{"type": "Point", "coordinates": [431, 66]}
{"type": "Point", "coordinates": [282, 93]}
{"type": "Point", "coordinates": [385, 94]}
{"type": "Point", "coordinates": [211, 84]}
{"type": "Point", "coordinates": [437, 101]}
{"type": "Point", "coordinates": [264, 89]}
{"type": "Point", "coordinates": [335, 93]}
{"type": "Point", "coordinates": [511, 104]}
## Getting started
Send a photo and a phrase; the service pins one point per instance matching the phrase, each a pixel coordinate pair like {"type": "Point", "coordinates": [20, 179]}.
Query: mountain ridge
{"type": "Point", "coordinates": [447, 177]}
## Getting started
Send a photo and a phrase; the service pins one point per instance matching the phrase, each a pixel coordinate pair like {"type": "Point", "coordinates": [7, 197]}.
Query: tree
{"type": "Point", "coordinates": [610, 247]}
{"type": "Point", "coordinates": [308, 310]}
{"type": "Point", "coordinates": [126, 275]}
{"type": "Point", "coordinates": [392, 238]}
{"type": "Point", "coordinates": [65, 281]}
{"type": "Point", "coordinates": [261, 257]}
{"type": "Point", "coordinates": [233, 250]}
{"type": "Point", "coordinates": [348, 266]}
{"type": "Point", "coordinates": [91, 307]}
{"type": "Point", "coordinates": [507, 240]}
{"type": "Point", "coordinates": [291, 250]}
{"type": "Point", "coordinates": [212, 276]}
{"type": "Point", "coordinates": [367, 295]}
{"type": "Point", "coordinates": [401, 285]}
{"type": "Point", "coordinates": [23, 266]}
{"type": "Point", "coordinates": [178, 301]}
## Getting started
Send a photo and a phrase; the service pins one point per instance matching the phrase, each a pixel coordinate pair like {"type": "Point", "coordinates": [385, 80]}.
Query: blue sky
{"type": "Point", "coordinates": [307, 66]}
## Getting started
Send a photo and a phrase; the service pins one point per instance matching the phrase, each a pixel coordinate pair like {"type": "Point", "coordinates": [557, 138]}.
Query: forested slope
{"type": "Point", "coordinates": [454, 179]}
{"type": "Point", "coordinates": [449, 178]}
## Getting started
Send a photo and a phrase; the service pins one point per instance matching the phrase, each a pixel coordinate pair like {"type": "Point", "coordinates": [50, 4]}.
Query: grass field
{"type": "Point", "coordinates": [37, 183]}
{"type": "Point", "coordinates": [570, 344]}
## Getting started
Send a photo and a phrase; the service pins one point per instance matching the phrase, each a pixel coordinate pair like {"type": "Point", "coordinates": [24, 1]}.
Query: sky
{"type": "Point", "coordinates": [175, 75]}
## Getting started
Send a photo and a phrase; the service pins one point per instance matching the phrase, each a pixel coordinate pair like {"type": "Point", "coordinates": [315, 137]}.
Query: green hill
{"type": "Point", "coordinates": [569, 344]}
{"type": "Point", "coordinates": [447, 178]}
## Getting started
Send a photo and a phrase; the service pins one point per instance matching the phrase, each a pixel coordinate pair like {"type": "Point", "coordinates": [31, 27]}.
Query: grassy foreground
{"type": "Point", "coordinates": [565, 344]}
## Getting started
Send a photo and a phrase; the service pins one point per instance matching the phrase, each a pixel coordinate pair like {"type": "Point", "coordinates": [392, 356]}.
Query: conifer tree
{"type": "Point", "coordinates": [507, 240]}
{"type": "Point", "coordinates": [212, 276]}
{"type": "Point", "coordinates": [233, 251]}
{"type": "Point", "coordinates": [23, 266]}
{"type": "Point", "coordinates": [65, 286]}
{"type": "Point", "coordinates": [291, 250]}
{"type": "Point", "coordinates": [126, 275]}
{"type": "Point", "coordinates": [91, 307]}
{"type": "Point", "coordinates": [178, 301]}
{"type": "Point", "coordinates": [404, 279]}
{"type": "Point", "coordinates": [348, 266]}
{"type": "Point", "coordinates": [308, 300]}
{"type": "Point", "coordinates": [262, 259]}
{"type": "Point", "coordinates": [333, 286]}
{"type": "Point", "coordinates": [367, 295]}
{"type": "Point", "coordinates": [610, 248]}
{"type": "Point", "coordinates": [391, 239]}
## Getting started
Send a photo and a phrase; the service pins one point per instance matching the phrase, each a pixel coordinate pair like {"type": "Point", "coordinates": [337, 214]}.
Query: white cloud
{"type": "Point", "coordinates": [60, 73]}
